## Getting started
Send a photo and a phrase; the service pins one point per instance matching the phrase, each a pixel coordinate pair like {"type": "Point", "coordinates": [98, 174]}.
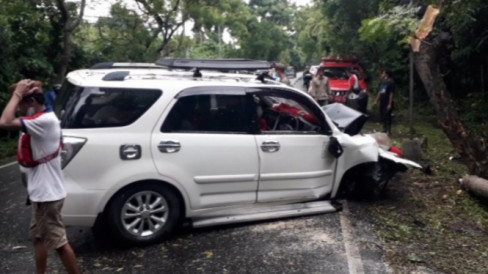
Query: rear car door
{"type": "Point", "coordinates": [292, 141]}
{"type": "Point", "coordinates": [205, 145]}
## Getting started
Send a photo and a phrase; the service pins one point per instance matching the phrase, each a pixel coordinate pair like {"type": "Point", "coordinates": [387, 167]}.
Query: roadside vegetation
{"type": "Point", "coordinates": [8, 148]}
{"type": "Point", "coordinates": [429, 220]}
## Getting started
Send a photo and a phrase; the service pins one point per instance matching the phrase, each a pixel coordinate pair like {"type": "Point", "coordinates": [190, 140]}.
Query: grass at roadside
{"type": "Point", "coordinates": [428, 220]}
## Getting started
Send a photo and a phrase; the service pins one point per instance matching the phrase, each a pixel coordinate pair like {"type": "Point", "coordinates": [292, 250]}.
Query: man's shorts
{"type": "Point", "coordinates": [47, 224]}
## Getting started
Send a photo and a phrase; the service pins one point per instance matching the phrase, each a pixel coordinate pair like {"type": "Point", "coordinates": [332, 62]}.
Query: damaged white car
{"type": "Point", "coordinates": [148, 146]}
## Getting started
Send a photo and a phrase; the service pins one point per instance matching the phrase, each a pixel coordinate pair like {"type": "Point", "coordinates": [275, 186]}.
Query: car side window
{"type": "Point", "coordinates": [209, 113]}
{"type": "Point", "coordinates": [278, 114]}
{"type": "Point", "coordinates": [97, 107]}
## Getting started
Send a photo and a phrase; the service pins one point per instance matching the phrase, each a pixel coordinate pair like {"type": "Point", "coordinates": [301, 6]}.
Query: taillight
{"type": "Point", "coordinates": [71, 147]}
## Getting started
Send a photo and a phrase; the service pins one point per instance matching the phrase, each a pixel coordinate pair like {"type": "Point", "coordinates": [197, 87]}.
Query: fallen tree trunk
{"type": "Point", "coordinates": [476, 185]}
{"type": "Point", "coordinates": [472, 149]}
{"type": "Point", "coordinates": [473, 152]}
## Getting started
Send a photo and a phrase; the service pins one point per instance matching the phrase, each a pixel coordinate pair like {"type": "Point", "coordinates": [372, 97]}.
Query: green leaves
{"type": "Point", "coordinates": [401, 22]}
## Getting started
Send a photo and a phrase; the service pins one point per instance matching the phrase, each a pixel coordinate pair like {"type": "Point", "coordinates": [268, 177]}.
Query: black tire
{"type": "Point", "coordinates": [144, 214]}
{"type": "Point", "coordinates": [369, 183]}
{"type": "Point", "coordinates": [376, 183]}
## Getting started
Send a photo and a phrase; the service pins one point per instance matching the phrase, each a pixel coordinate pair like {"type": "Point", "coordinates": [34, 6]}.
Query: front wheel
{"type": "Point", "coordinates": [144, 214]}
{"type": "Point", "coordinates": [376, 181]}
{"type": "Point", "coordinates": [367, 182]}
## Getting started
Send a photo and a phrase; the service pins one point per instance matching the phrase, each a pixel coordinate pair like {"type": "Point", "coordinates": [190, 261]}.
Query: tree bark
{"type": "Point", "coordinates": [471, 149]}
{"type": "Point", "coordinates": [69, 25]}
{"type": "Point", "coordinates": [167, 23]}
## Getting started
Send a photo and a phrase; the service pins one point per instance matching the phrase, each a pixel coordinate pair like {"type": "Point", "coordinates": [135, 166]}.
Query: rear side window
{"type": "Point", "coordinates": [210, 113]}
{"type": "Point", "coordinates": [94, 107]}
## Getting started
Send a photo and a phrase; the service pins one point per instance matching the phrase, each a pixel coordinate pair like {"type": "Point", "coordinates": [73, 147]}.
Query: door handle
{"type": "Point", "coordinates": [169, 146]}
{"type": "Point", "coordinates": [270, 146]}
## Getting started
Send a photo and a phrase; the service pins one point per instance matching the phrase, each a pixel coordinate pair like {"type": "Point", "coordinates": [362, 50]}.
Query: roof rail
{"type": "Point", "coordinates": [214, 64]}
{"type": "Point", "coordinates": [339, 60]}
{"type": "Point", "coordinates": [124, 65]}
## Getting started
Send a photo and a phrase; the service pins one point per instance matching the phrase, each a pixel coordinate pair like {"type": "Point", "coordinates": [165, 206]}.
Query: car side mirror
{"type": "Point", "coordinates": [335, 148]}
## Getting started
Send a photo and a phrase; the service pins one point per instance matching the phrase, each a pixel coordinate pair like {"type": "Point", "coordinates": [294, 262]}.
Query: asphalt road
{"type": "Point", "coordinates": [336, 243]}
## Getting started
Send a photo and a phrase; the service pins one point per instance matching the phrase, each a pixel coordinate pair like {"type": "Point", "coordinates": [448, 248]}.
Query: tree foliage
{"type": "Point", "coordinates": [42, 39]}
{"type": "Point", "coordinates": [25, 41]}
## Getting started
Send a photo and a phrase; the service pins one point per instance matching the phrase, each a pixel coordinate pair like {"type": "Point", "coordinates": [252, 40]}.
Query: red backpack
{"type": "Point", "coordinates": [24, 153]}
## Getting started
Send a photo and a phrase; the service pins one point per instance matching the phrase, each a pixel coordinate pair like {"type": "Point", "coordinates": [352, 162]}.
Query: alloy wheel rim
{"type": "Point", "coordinates": [144, 213]}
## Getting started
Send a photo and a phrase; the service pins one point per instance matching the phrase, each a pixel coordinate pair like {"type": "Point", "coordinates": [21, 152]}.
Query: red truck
{"type": "Point", "coordinates": [336, 71]}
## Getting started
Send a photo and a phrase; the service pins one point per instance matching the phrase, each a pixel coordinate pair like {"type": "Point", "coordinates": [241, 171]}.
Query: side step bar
{"type": "Point", "coordinates": [272, 212]}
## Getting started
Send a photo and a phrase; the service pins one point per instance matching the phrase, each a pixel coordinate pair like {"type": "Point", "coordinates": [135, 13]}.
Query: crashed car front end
{"type": "Point", "coordinates": [365, 162]}
{"type": "Point", "coordinates": [357, 151]}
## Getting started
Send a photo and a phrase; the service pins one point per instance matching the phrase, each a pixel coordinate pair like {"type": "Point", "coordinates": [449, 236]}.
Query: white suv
{"type": "Point", "coordinates": [147, 147]}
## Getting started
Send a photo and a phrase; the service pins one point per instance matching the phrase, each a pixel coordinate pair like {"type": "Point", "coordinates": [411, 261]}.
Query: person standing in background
{"type": "Point", "coordinates": [280, 70]}
{"type": "Point", "coordinates": [272, 72]}
{"type": "Point", "coordinates": [307, 78]}
{"type": "Point", "coordinates": [385, 100]}
{"type": "Point", "coordinates": [361, 96]}
{"type": "Point", "coordinates": [320, 87]}
{"type": "Point", "coordinates": [50, 96]}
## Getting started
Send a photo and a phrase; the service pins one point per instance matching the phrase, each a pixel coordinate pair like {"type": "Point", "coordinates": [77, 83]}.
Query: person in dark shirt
{"type": "Point", "coordinates": [307, 78]}
{"type": "Point", "coordinates": [385, 100]}
{"type": "Point", "coordinates": [50, 96]}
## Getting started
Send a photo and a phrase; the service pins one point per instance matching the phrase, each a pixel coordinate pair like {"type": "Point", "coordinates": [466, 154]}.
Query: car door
{"type": "Point", "coordinates": [205, 146]}
{"type": "Point", "coordinates": [292, 142]}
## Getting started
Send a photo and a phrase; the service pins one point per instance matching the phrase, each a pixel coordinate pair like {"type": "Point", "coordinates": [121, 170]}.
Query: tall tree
{"type": "Point", "coordinates": [267, 33]}
{"type": "Point", "coordinates": [25, 37]}
{"type": "Point", "coordinates": [121, 37]}
{"type": "Point", "coordinates": [430, 63]}
{"type": "Point", "coordinates": [311, 27]}
{"type": "Point", "coordinates": [165, 17]}
{"type": "Point", "coordinates": [344, 19]}
{"type": "Point", "coordinates": [68, 16]}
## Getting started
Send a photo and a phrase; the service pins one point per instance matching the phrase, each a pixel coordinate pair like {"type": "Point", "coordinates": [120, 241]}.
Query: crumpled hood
{"type": "Point", "coordinates": [347, 119]}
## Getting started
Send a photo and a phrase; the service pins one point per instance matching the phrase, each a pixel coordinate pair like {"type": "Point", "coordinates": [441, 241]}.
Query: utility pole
{"type": "Point", "coordinates": [220, 42]}
{"type": "Point", "coordinates": [410, 109]}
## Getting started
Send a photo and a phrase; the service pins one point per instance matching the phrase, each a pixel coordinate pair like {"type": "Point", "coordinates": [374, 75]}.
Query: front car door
{"type": "Point", "coordinates": [205, 145]}
{"type": "Point", "coordinates": [292, 139]}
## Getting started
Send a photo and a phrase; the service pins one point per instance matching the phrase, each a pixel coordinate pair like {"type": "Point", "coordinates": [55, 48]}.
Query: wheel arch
{"type": "Point", "coordinates": [104, 225]}
{"type": "Point", "coordinates": [141, 183]}
{"type": "Point", "coordinates": [368, 180]}
{"type": "Point", "coordinates": [136, 184]}
{"type": "Point", "coordinates": [352, 175]}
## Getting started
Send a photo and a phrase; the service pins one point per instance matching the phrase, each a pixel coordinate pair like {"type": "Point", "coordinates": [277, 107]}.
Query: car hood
{"type": "Point", "coordinates": [348, 120]}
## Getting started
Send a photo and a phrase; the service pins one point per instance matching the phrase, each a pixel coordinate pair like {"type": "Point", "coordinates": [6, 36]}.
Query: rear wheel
{"type": "Point", "coordinates": [144, 214]}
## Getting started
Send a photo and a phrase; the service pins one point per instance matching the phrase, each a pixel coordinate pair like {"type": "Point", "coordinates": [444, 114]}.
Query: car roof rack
{"type": "Point", "coordinates": [234, 64]}
{"type": "Point", "coordinates": [125, 65]}
{"type": "Point", "coordinates": [339, 60]}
